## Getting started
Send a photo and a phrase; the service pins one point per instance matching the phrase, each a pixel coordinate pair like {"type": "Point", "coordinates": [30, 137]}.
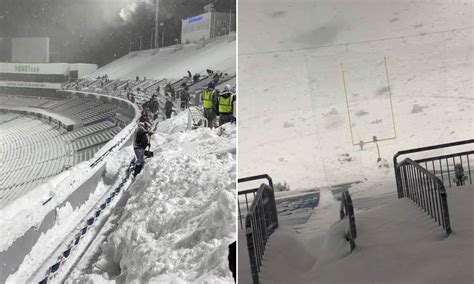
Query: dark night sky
{"type": "Point", "coordinates": [92, 31]}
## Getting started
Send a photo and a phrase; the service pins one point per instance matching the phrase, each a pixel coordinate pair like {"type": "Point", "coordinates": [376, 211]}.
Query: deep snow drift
{"type": "Point", "coordinates": [180, 217]}
{"type": "Point", "coordinates": [396, 243]}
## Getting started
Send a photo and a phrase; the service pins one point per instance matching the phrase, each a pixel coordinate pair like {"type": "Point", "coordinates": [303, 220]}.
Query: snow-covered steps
{"type": "Point", "coordinates": [70, 251]}
{"type": "Point", "coordinates": [397, 243]}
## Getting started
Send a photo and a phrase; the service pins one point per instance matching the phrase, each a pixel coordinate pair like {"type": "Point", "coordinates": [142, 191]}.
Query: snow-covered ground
{"type": "Point", "coordinates": [297, 62]}
{"type": "Point", "coordinates": [174, 61]}
{"type": "Point", "coordinates": [180, 216]}
{"type": "Point", "coordinates": [290, 81]}
{"type": "Point", "coordinates": [396, 243]}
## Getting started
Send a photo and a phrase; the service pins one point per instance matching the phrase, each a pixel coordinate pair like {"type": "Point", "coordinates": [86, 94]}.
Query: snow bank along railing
{"type": "Point", "coordinates": [347, 212]}
{"type": "Point", "coordinates": [195, 118]}
{"type": "Point", "coordinates": [260, 223]}
{"type": "Point", "coordinates": [426, 190]}
{"type": "Point", "coordinates": [83, 228]}
{"type": "Point", "coordinates": [453, 168]}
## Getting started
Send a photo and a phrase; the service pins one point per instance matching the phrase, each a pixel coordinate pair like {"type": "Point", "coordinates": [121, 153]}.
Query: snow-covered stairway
{"type": "Point", "coordinates": [397, 242]}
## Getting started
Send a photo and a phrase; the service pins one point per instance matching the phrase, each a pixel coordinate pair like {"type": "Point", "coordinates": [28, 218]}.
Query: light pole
{"type": "Point", "coordinates": [157, 5]}
{"type": "Point", "coordinates": [162, 25]}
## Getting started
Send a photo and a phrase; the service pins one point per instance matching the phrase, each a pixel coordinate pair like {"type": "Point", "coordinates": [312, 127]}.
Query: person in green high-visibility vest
{"type": "Point", "coordinates": [225, 105]}
{"type": "Point", "coordinates": [209, 103]}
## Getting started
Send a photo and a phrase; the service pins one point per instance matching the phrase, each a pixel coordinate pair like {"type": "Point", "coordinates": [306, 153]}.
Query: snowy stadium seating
{"type": "Point", "coordinates": [33, 149]}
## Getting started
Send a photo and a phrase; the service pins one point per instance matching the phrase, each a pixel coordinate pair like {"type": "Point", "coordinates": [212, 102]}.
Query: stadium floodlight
{"type": "Point", "coordinates": [157, 5]}
{"type": "Point", "coordinates": [162, 25]}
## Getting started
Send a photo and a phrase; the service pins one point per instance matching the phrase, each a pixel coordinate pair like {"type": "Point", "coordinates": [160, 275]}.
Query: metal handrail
{"type": "Point", "coordinates": [433, 147]}
{"type": "Point", "coordinates": [347, 211]}
{"type": "Point", "coordinates": [195, 116]}
{"type": "Point", "coordinates": [426, 190]}
{"type": "Point", "coordinates": [257, 177]}
{"type": "Point", "coordinates": [245, 193]}
{"type": "Point", "coordinates": [252, 192]}
{"type": "Point", "coordinates": [437, 168]}
{"type": "Point", "coordinates": [260, 222]}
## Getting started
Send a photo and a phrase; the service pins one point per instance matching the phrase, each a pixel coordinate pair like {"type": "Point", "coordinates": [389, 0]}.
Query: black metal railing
{"type": "Point", "coordinates": [347, 212]}
{"type": "Point", "coordinates": [246, 197]}
{"type": "Point", "coordinates": [452, 169]}
{"type": "Point", "coordinates": [426, 190]}
{"type": "Point", "coordinates": [260, 222]}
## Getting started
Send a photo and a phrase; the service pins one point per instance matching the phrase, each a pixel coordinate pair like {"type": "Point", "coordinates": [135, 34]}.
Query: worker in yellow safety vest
{"type": "Point", "coordinates": [225, 103]}
{"type": "Point", "coordinates": [208, 98]}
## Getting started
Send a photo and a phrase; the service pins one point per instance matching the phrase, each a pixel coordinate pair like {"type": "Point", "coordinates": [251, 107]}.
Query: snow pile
{"type": "Point", "coordinates": [396, 243]}
{"type": "Point", "coordinates": [114, 164]}
{"type": "Point", "coordinates": [67, 219]}
{"type": "Point", "coordinates": [180, 218]}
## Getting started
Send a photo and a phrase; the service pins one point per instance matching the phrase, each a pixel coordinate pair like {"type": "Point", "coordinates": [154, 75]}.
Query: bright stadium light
{"type": "Point", "coordinates": [157, 4]}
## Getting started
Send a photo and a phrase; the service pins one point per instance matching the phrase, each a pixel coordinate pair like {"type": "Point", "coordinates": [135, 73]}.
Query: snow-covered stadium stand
{"type": "Point", "coordinates": [31, 151]}
{"type": "Point", "coordinates": [34, 145]}
{"type": "Point", "coordinates": [90, 122]}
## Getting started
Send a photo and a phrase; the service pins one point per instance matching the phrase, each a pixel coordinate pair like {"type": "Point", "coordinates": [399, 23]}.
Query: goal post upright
{"type": "Point", "coordinates": [347, 103]}
{"type": "Point", "coordinates": [390, 97]}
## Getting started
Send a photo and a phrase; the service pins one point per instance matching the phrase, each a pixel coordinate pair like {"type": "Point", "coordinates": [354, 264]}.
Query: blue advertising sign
{"type": "Point", "coordinates": [195, 19]}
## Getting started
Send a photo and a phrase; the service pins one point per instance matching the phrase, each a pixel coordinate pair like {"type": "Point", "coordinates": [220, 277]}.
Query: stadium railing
{"type": "Point", "coordinates": [425, 180]}
{"type": "Point", "coordinates": [452, 168]}
{"type": "Point", "coordinates": [347, 212]}
{"type": "Point", "coordinates": [260, 222]}
{"type": "Point", "coordinates": [426, 190]}
{"type": "Point", "coordinates": [195, 118]}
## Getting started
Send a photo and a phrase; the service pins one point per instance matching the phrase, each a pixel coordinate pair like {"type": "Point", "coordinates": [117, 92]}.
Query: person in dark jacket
{"type": "Point", "coordinates": [168, 108]}
{"type": "Point", "coordinates": [168, 89]}
{"type": "Point", "coordinates": [154, 106]}
{"type": "Point", "coordinates": [216, 78]}
{"type": "Point", "coordinates": [232, 257]}
{"type": "Point", "coordinates": [131, 97]}
{"type": "Point", "coordinates": [196, 78]}
{"type": "Point", "coordinates": [172, 93]}
{"type": "Point", "coordinates": [146, 116]}
{"type": "Point", "coordinates": [225, 103]}
{"type": "Point", "coordinates": [142, 141]}
{"type": "Point", "coordinates": [185, 98]}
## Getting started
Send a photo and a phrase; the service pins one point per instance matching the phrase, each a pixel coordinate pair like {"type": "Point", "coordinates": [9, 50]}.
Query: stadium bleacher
{"type": "Point", "coordinates": [120, 87]}
{"type": "Point", "coordinates": [33, 149]}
